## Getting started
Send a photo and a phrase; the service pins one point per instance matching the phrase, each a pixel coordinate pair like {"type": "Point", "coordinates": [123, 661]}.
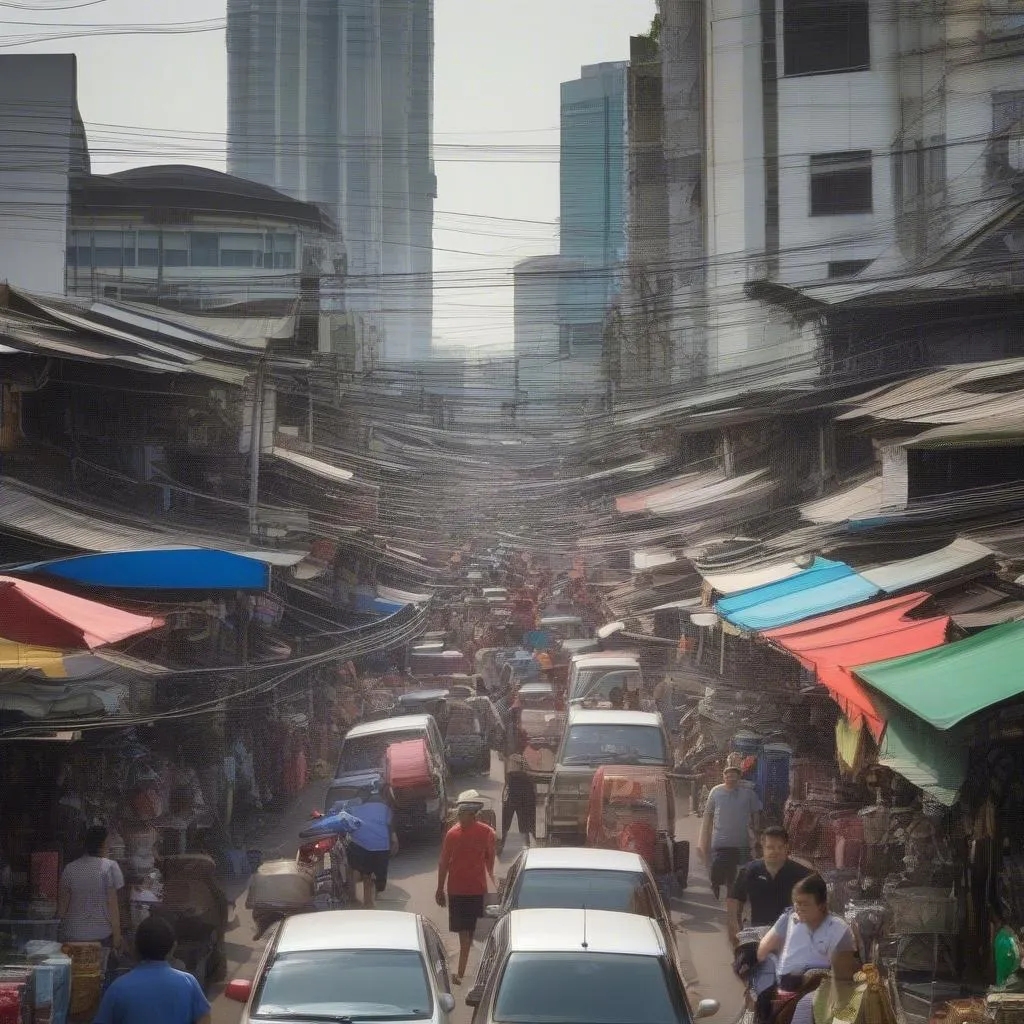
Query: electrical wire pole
{"type": "Point", "coordinates": [255, 449]}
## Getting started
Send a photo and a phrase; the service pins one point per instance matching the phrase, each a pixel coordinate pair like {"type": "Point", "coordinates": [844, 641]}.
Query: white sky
{"type": "Point", "coordinates": [498, 65]}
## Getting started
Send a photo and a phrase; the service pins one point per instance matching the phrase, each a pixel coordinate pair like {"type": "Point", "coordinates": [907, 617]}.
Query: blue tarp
{"type": "Point", "coordinates": [160, 569]}
{"type": "Point", "coordinates": [825, 587]}
{"type": "Point", "coordinates": [369, 604]}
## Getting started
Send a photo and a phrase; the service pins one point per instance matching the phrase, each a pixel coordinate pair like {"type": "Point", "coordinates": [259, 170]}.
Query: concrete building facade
{"type": "Point", "coordinates": [333, 104]}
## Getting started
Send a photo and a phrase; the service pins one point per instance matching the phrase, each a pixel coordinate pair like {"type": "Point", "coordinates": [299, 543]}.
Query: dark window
{"type": "Point", "coordinates": [847, 268]}
{"type": "Point", "coordinates": [149, 249]}
{"type": "Point", "coordinates": [107, 249]}
{"type": "Point", "coordinates": [841, 183]}
{"type": "Point", "coordinates": [1008, 127]}
{"type": "Point", "coordinates": [550, 888]}
{"type": "Point", "coordinates": [602, 744]}
{"type": "Point", "coordinates": [822, 37]}
{"type": "Point", "coordinates": [204, 249]}
{"type": "Point", "coordinates": [586, 988]}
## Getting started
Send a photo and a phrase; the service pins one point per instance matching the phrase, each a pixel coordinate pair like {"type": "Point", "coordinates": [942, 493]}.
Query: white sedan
{"type": "Point", "coordinates": [349, 966]}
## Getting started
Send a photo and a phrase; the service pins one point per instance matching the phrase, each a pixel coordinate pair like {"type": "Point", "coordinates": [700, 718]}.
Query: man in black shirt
{"type": "Point", "coordinates": [767, 884]}
{"type": "Point", "coordinates": [519, 800]}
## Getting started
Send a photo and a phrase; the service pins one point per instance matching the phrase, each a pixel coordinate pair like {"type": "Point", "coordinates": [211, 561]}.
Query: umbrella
{"type": "Point", "coordinates": [33, 614]}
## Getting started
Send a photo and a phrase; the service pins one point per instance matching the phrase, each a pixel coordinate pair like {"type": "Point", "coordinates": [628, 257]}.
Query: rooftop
{"type": "Point", "coordinates": [602, 716]}
{"type": "Point", "coordinates": [563, 931]}
{"type": "Point", "coordinates": [350, 929]}
{"type": "Point", "coordinates": [573, 858]}
{"type": "Point", "coordinates": [182, 187]}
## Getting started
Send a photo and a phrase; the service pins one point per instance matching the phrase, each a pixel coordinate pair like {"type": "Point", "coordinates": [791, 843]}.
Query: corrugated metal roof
{"type": "Point", "coordinates": [860, 501]}
{"type": "Point", "coordinates": [912, 572]}
{"type": "Point", "coordinates": [27, 510]}
{"type": "Point", "coordinates": [1009, 611]}
{"type": "Point", "coordinates": [324, 470]}
{"type": "Point", "coordinates": [749, 579]}
{"type": "Point", "coordinates": [989, 431]}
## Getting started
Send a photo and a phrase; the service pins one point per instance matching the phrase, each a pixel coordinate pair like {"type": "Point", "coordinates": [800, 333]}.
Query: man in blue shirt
{"type": "Point", "coordinates": [154, 992]}
{"type": "Point", "coordinates": [372, 842]}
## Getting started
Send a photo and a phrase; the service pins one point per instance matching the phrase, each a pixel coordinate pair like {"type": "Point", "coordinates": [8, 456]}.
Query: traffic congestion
{"type": "Point", "coordinates": [562, 898]}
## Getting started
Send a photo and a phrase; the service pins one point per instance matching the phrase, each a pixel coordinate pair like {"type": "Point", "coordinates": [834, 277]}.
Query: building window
{"type": "Point", "coordinates": [203, 249]}
{"type": "Point", "coordinates": [80, 249]}
{"type": "Point", "coordinates": [175, 246]}
{"type": "Point", "coordinates": [847, 268]}
{"type": "Point", "coordinates": [841, 183]}
{"type": "Point", "coordinates": [280, 252]}
{"type": "Point", "coordinates": [241, 250]}
{"type": "Point", "coordinates": [107, 249]}
{"type": "Point", "coordinates": [149, 248]}
{"type": "Point", "coordinates": [1008, 128]}
{"type": "Point", "coordinates": [823, 37]}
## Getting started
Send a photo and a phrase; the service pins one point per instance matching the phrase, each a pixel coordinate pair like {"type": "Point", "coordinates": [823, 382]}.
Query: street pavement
{"type": "Point", "coordinates": [413, 880]}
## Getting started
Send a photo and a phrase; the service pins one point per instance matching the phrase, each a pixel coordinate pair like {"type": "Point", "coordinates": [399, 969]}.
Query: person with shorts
{"type": "Point", "coordinates": [372, 843]}
{"type": "Point", "coordinates": [518, 801]}
{"type": "Point", "coordinates": [466, 866]}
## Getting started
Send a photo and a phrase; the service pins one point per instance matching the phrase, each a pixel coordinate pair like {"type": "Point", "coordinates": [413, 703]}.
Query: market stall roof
{"type": "Point", "coordinates": [832, 644]}
{"type": "Point", "coordinates": [31, 511]}
{"type": "Point", "coordinates": [1009, 611]}
{"type": "Point", "coordinates": [652, 558]}
{"type": "Point", "coordinates": [692, 491]}
{"type": "Point", "coordinates": [946, 685]}
{"type": "Point", "coordinates": [822, 587]}
{"type": "Point", "coordinates": [1006, 430]}
{"type": "Point", "coordinates": [955, 558]}
{"type": "Point", "coordinates": [859, 501]}
{"type": "Point", "coordinates": [750, 579]}
{"type": "Point", "coordinates": [33, 614]}
{"type": "Point", "coordinates": [160, 569]}
{"type": "Point", "coordinates": [933, 761]}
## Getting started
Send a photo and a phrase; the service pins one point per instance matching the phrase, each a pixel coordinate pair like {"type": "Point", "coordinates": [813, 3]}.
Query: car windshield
{"type": "Point", "coordinates": [363, 984]}
{"type": "Point", "coordinates": [543, 888]}
{"type": "Point", "coordinates": [361, 753]}
{"type": "Point", "coordinates": [585, 988]}
{"type": "Point", "coordinates": [614, 744]}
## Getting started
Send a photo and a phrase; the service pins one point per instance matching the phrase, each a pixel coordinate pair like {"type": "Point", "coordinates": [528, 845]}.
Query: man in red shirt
{"type": "Point", "coordinates": [466, 864]}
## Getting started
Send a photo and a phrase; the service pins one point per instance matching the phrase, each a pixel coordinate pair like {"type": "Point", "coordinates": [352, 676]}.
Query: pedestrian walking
{"type": "Point", "coordinates": [518, 801]}
{"type": "Point", "coordinates": [372, 844]}
{"type": "Point", "coordinates": [765, 884]}
{"type": "Point", "coordinates": [154, 992]}
{"type": "Point", "coordinates": [463, 872]}
{"type": "Point", "coordinates": [87, 900]}
{"type": "Point", "coordinates": [730, 816]}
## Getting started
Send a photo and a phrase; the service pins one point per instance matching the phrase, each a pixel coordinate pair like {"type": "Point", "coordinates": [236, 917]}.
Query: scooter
{"type": "Point", "coordinates": [325, 856]}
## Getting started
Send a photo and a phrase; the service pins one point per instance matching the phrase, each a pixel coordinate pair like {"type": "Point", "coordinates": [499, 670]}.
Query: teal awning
{"type": "Point", "coordinates": [945, 685]}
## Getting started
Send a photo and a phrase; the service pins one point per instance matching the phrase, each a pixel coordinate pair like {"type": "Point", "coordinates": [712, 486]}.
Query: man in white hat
{"type": "Point", "coordinates": [466, 865]}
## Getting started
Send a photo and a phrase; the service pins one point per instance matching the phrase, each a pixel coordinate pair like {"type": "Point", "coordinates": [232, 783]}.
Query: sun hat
{"type": "Point", "coordinates": [470, 800]}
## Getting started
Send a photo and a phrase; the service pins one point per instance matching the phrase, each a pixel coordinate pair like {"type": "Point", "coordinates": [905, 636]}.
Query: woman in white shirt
{"type": "Point", "coordinates": [805, 939]}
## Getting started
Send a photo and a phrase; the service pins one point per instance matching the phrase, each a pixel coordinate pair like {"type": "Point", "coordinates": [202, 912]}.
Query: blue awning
{"type": "Point", "coordinates": [160, 569]}
{"type": "Point", "coordinates": [825, 587]}
{"type": "Point", "coordinates": [370, 604]}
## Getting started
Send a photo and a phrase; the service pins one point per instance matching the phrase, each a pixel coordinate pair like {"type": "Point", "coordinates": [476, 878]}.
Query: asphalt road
{"type": "Point", "coordinates": [411, 885]}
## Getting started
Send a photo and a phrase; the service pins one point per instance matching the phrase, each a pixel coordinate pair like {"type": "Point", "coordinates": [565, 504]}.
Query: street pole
{"type": "Point", "coordinates": [255, 447]}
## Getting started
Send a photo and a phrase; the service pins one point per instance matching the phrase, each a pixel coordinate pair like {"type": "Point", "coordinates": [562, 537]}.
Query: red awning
{"type": "Point", "coordinates": [33, 614]}
{"type": "Point", "coordinates": [833, 644]}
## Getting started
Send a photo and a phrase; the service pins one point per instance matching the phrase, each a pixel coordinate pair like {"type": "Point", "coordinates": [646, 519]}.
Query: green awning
{"type": "Point", "coordinates": [947, 684]}
{"type": "Point", "coordinates": [934, 761]}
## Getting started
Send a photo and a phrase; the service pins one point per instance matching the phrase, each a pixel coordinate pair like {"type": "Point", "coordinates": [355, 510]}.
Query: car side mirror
{"type": "Point", "coordinates": [447, 1001]}
{"type": "Point", "coordinates": [492, 910]}
{"type": "Point", "coordinates": [474, 996]}
{"type": "Point", "coordinates": [239, 990]}
{"type": "Point", "coordinates": [706, 1008]}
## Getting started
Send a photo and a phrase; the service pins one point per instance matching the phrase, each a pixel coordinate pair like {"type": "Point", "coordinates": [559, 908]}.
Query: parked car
{"type": "Point", "coordinates": [362, 965]}
{"type": "Point", "coordinates": [595, 737]}
{"type": "Point", "coordinates": [562, 879]}
{"type": "Point", "coordinates": [365, 748]}
{"type": "Point", "coordinates": [580, 967]}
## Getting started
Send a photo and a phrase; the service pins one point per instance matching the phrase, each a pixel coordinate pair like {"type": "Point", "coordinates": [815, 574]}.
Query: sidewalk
{"type": "Point", "coordinates": [703, 941]}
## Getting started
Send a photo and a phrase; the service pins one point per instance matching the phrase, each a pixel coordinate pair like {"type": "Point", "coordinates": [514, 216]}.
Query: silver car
{"type": "Point", "coordinates": [580, 967]}
{"type": "Point", "coordinates": [349, 965]}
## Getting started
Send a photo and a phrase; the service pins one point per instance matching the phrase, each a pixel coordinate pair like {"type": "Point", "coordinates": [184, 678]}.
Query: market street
{"type": "Point", "coordinates": [411, 885]}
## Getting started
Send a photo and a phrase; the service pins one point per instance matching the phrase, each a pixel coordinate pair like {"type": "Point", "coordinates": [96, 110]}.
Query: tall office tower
{"type": "Point", "coordinates": [331, 101]}
{"type": "Point", "coordinates": [594, 182]}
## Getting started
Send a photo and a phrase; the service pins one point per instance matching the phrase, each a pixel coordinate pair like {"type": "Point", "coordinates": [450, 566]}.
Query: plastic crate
{"type": "Point", "coordinates": [923, 911]}
{"type": "Point", "coordinates": [16, 934]}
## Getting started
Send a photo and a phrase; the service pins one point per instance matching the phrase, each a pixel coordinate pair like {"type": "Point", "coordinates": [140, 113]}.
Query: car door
{"type": "Point", "coordinates": [491, 957]}
{"type": "Point", "coordinates": [437, 962]}
{"type": "Point", "coordinates": [507, 886]}
{"type": "Point", "coordinates": [660, 913]}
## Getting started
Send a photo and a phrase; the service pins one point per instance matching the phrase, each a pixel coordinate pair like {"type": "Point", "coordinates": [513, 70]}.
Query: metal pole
{"type": "Point", "coordinates": [255, 447]}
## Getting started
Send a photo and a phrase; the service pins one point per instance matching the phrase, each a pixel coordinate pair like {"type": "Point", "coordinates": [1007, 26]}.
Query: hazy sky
{"type": "Point", "coordinates": [157, 97]}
